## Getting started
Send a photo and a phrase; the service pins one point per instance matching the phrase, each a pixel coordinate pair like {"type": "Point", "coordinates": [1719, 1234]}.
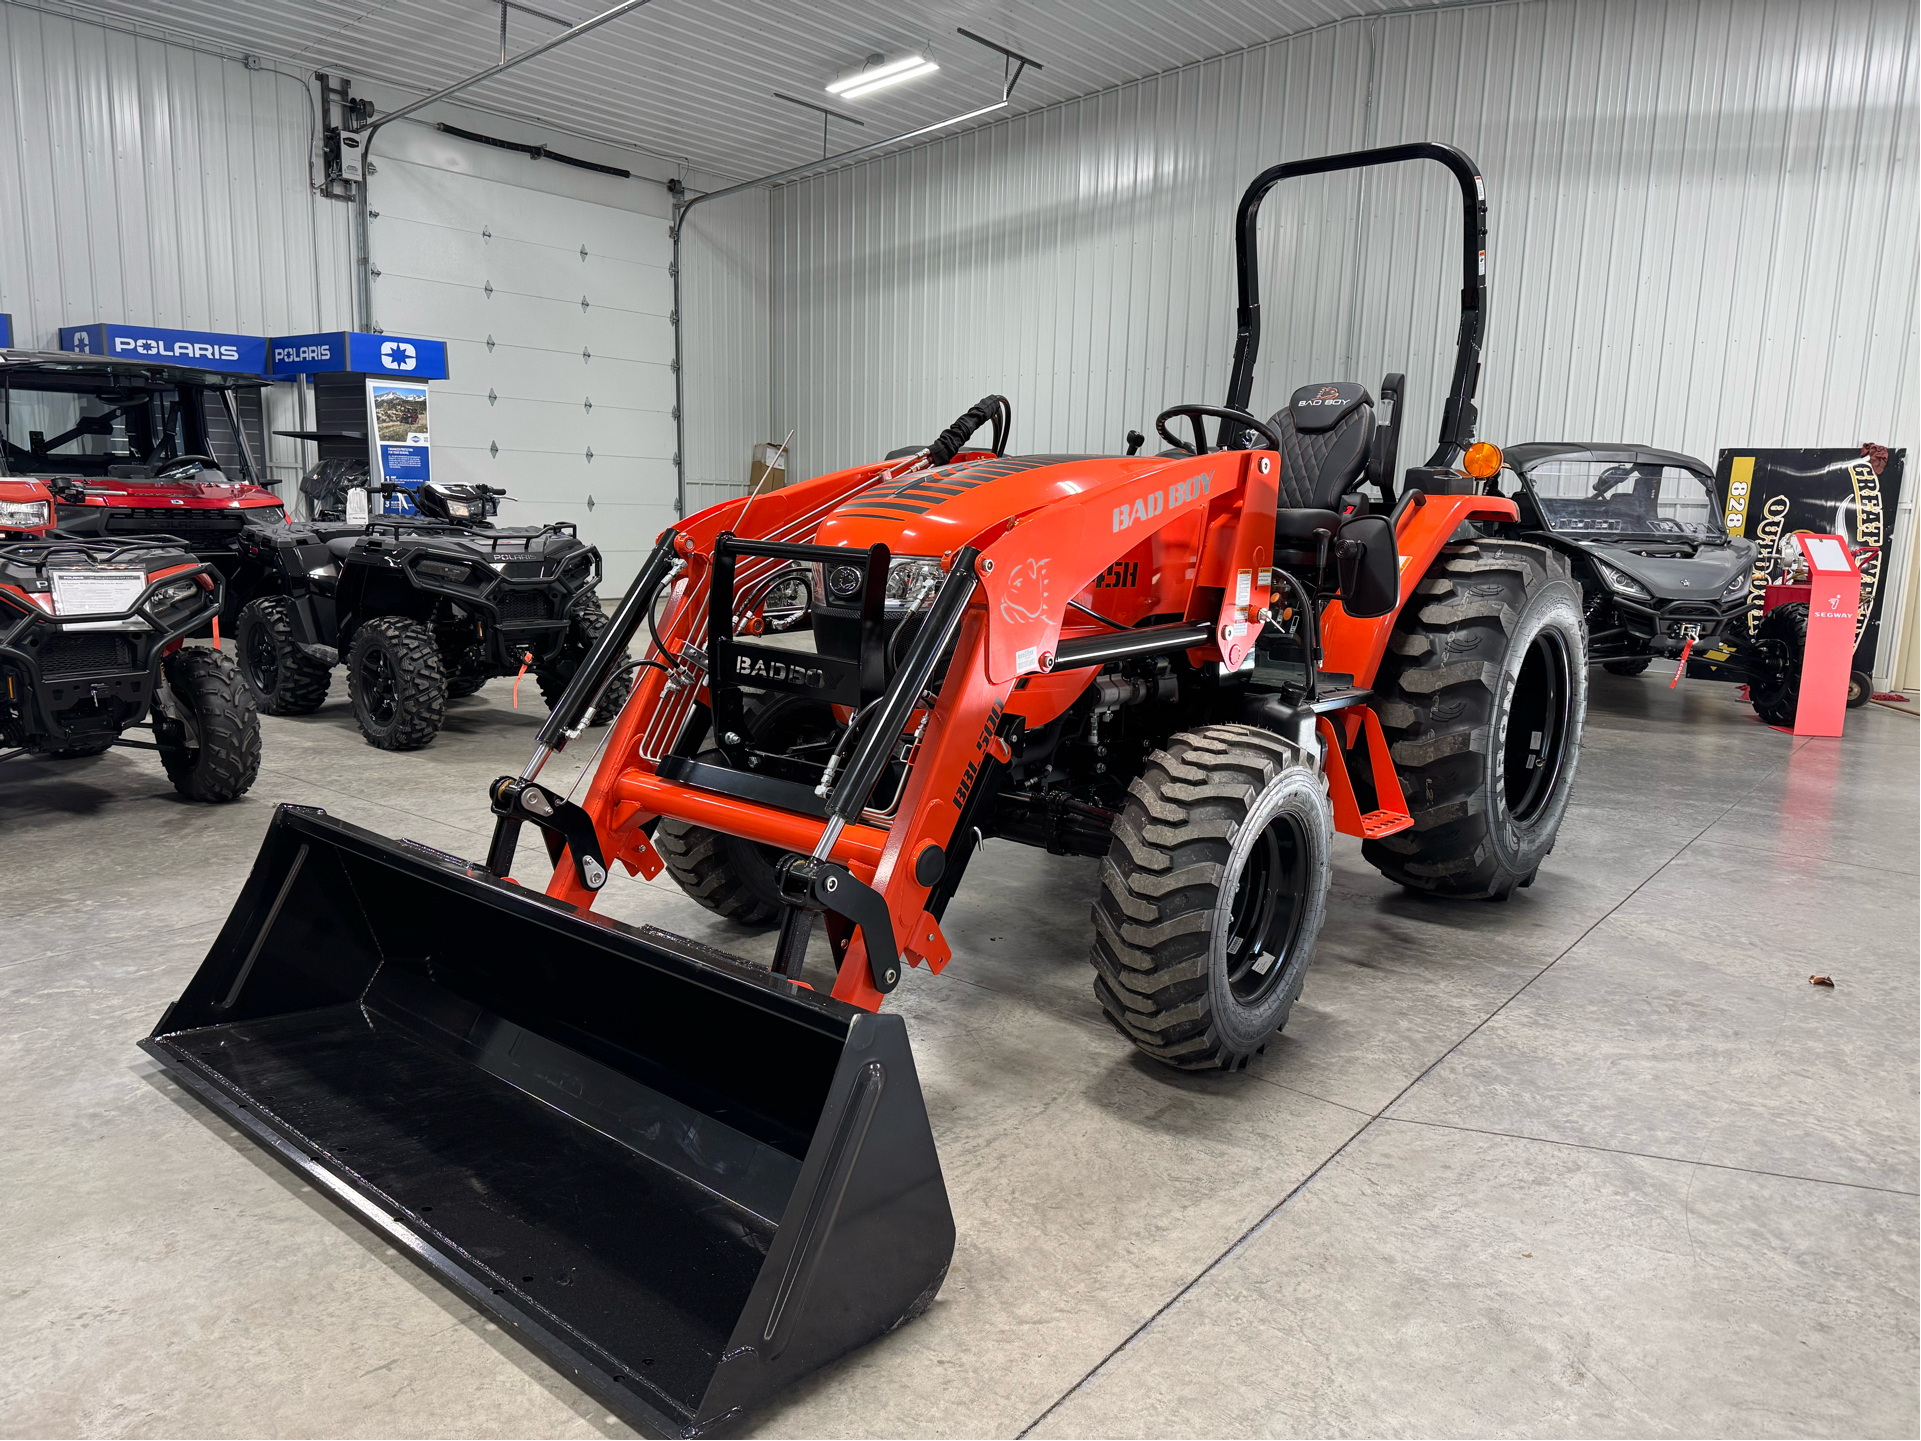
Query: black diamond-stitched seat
{"type": "Point", "coordinates": [1326, 431]}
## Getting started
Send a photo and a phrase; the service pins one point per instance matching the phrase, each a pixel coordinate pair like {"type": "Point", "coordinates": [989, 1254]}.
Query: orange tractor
{"type": "Point", "coordinates": [689, 1179]}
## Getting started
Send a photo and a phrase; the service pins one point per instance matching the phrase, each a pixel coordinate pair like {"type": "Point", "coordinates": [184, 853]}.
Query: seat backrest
{"type": "Point", "coordinates": [1326, 431]}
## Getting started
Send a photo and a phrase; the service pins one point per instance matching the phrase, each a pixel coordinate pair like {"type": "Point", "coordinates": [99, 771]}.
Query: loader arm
{"type": "Point", "coordinates": [1016, 624]}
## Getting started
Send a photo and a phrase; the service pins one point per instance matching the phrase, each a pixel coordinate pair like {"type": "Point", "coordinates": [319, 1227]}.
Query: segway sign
{"type": "Point", "coordinates": [206, 349]}
{"type": "Point", "coordinates": [357, 353]}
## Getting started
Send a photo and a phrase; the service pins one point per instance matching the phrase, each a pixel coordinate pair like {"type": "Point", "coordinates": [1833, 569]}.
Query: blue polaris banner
{"type": "Point", "coordinates": [358, 353]}
{"type": "Point", "coordinates": [6, 332]}
{"type": "Point", "coordinates": [205, 349]}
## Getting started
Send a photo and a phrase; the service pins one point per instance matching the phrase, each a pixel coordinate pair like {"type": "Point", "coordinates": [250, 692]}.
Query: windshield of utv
{"type": "Point", "coordinates": [89, 424]}
{"type": "Point", "coordinates": [1587, 499]}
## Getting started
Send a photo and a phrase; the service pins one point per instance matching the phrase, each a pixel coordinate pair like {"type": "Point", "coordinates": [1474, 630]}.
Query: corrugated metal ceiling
{"type": "Point", "coordinates": [694, 80]}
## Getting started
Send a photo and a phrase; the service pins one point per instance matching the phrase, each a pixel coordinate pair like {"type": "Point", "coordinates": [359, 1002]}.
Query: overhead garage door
{"type": "Point", "coordinates": [555, 313]}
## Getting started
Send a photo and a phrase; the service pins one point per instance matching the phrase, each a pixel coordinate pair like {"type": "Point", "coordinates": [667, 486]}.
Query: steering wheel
{"type": "Point", "coordinates": [203, 462]}
{"type": "Point", "coordinates": [1196, 413]}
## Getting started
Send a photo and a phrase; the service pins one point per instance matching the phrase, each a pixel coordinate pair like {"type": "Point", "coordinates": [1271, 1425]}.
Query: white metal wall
{"type": "Point", "coordinates": [551, 288]}
{"type": "Point", "coordinates": [1703, 218]}
{"type": "Point", "coordinates": [726, 344]}
{"type": "Point", "coordinates": [151, 184]}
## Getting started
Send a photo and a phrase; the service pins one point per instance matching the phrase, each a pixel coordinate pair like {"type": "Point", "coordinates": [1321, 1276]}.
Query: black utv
{"type": "Point", "coordinates": [419, 609]}
{"type": "Point", "coordinates": [1660, 576]}
{"type": "Point", "coordinates": [91, 636]}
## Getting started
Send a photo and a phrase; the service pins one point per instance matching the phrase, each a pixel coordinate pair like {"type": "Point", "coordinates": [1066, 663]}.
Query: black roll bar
{"type": "Point", "coordinates": [1458, 414]}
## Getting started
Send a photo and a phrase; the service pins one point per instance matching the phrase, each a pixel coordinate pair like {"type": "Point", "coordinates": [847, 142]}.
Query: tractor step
{"type": "Point", "coordinates": [1376, 824]}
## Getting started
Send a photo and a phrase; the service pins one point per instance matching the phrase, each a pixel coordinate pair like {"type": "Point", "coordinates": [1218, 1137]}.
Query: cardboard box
{"type": "Point", "coordinates": [758, 468]}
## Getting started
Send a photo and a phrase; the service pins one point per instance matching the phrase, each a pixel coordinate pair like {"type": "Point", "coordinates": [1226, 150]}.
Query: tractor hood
{"type": "Point", "coordinates": [936, 511]}
{"type": "Point", "coordinates": [1669, 571]}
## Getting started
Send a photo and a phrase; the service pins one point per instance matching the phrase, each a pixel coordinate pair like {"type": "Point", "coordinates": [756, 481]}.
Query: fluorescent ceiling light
{"type": "Point", "coordinates": [879, 77]}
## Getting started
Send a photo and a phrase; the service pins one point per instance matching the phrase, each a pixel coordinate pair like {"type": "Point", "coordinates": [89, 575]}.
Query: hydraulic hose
{"type": "Point", "coordinates": [989, 407]}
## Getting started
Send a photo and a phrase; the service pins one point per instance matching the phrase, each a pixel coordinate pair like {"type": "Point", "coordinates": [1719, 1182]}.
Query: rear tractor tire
{"type": "Point", "coordinates": [396, 683]}
{"type": "Point", "coordinates": [1212, 897]}
{"type": "Point", "coordinates": [1482, 695]}
{"type": "Point", "coordinates": [215, 755]}
{"type": "Point", "coordinates": [284, 679]}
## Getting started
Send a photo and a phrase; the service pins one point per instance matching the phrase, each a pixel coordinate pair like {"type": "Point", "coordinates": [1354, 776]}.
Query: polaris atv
{"type": "Point", "coordinates": [90, 630]}
{"type": "Point", "coordinates": [131, 448]}
{"type": "Point", "coordinates": [1660, 576]}
{"type": "Point", "coordinates": [421, 609]}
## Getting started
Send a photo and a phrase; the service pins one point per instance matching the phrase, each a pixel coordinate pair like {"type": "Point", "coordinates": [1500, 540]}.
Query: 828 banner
{"type": "Point", "coordinates": [1771, 495]}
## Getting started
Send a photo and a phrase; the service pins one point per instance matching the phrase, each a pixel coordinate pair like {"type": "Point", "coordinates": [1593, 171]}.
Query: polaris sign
{"type": "Point", "coordinates": [6, 332]}
{"type": "Point", "coordinates": [356, 353]}
{"type": "Point", "coordinates": [202, 349]}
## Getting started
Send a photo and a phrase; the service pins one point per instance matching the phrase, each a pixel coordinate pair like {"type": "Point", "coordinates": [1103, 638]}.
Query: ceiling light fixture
{"type": "Point", "coordinates": [879, 77]}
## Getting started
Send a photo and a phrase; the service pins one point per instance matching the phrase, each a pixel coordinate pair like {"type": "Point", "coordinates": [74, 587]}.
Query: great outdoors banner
{"type": "Point", "coordinates": [1770, 495]}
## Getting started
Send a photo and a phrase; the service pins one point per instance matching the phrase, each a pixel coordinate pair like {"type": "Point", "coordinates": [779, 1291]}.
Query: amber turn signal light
{"type": "Point", "coordinates": [1482, 461]}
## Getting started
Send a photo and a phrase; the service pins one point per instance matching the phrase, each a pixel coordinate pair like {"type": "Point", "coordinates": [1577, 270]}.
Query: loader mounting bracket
{"type": "Point", "coordinates": [564, 826]}
{"type": "Point", "coordinates": [818, 885]}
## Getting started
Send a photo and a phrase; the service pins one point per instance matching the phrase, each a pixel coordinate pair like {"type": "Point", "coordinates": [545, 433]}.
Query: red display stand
{"type": "Point", "coordinates": [1834, 605]}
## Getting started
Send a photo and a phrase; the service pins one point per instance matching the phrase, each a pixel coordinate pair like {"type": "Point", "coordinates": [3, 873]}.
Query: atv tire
{"type": "Point", "coordinates": [395, 681]}
{"type": "Point", "coordinates": [1634, 666]}
{"type": "Point", "coordinates": [218, 759]}
{"type": "Point", "coordinates": [1482, 695]}
{"type": "Point", "coordinates": [284, 679]}
{"type": "Point", "coordinates": [730, 876]}
{"type": "Point", "coordinates": [459, 687]}
{"type": "Point", "coordinates": [1212, 896]}
{"type": "Point", "coordinates": [588, 621]}
{"type": "Point", "coordinates": [1778, 699]}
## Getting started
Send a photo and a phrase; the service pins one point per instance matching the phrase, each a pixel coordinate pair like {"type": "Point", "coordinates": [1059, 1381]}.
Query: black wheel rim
{"type": "Point", "coordinates": [261, 659]}
{"type": "Point", "coordinates": [378, 687]}
{"type": "Point", "coordinates": [1270, 900]}
{"type": "Point", "coordinates": [1537, 717]}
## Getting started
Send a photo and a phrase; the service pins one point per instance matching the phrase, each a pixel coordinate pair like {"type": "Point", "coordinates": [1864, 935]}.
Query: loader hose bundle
{"type": "Point", "coordinates": [988, 407]}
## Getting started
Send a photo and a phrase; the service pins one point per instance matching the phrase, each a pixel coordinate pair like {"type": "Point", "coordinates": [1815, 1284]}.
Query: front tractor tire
{"type": "Point", "coordinates": [284, 679]}
{"type": "Point", "coordinates": [1482, 695]}
{"type": "Point", "coordinates": [1211, 897]}
{"type": "Point", "coordinates": [210, 747]}
{"type": "Point", "coordinates": [396, 683]}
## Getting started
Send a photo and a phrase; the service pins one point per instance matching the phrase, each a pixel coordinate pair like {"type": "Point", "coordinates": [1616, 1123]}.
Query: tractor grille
{"type": "Point", "coordinates": [525, 605]}
{"type": "Point", "coordinates": [75, 654]}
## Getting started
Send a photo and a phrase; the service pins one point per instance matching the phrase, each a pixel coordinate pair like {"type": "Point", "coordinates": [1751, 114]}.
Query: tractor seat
{"type": "Point", "coordinates": [1326, 431]}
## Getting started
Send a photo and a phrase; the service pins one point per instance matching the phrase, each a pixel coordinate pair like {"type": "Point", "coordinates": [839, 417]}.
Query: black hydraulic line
{"type": "Point", "coordinates": [1458, 413]}
{"type": "Point", "coordinates": [1120, 645]}
{"type": "Point", "coordinates": [903, 693]}
{"type": "Point", "coordinates": [607, 655]}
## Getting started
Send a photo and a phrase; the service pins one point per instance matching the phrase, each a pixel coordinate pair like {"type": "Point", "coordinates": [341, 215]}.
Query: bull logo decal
{"type": "Point", "coordinates": [1025, 599]}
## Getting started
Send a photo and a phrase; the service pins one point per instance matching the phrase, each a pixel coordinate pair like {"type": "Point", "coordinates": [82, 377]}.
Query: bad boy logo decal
{"type": "Point", "coordinates": [1195, 487]}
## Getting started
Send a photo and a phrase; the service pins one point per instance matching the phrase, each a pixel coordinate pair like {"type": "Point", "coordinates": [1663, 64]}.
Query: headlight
{"type": "Point", "coordinates": [21, 514]}
{"type": "Point", "coordinates": [910, 580]}
{"type": "Point", "coordinates": [1621, 583]}
{"type": "Point", "coordinates": [176, 591]}
{"type": "Point", "coordinates": [459, 510]}
{"type": "Point", "coordinates": [1737, 586]}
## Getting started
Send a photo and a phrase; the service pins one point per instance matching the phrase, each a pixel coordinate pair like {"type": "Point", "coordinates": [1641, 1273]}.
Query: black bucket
{"type": "Point", "coordinates": [686, 1181]}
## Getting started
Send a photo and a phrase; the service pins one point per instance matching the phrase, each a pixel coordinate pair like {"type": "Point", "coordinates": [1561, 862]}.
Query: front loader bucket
{"type": "Point", "coordinates": [685, 1180]}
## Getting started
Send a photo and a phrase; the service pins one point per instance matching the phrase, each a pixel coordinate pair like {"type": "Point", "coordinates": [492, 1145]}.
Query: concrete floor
{"type": "Point", "coordinates": [1599, 1161]}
